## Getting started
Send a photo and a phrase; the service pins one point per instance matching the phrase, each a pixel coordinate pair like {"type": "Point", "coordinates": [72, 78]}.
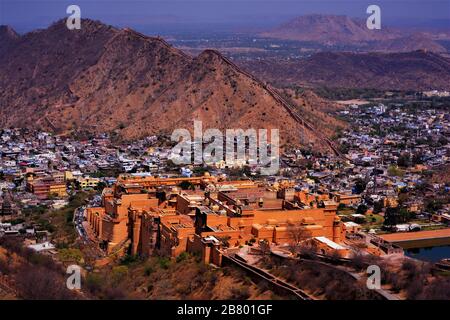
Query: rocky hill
{"type": "Point", "coordinates": [7, 38]}
{"type": "Point", "coordinates": [103, 79]}
{"type": "Point", "coordinates": [418, 70]}
{"type": "Point", "coordinates": [334, 30]}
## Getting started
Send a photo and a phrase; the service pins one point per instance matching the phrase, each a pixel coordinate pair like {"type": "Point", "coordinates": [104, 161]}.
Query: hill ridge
{"type": "Point", "coordinates": [124, 82]}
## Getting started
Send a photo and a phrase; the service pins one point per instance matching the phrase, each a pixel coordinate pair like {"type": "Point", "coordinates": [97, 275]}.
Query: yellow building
{"type": "Point", "coordinates": [59, 190]}
{"type": "Point", "coordinates": [88, 182]}
{"type": "Point", "coordinates": [68, 176]}
{"type": "Point", "coordinates": [46, 187]}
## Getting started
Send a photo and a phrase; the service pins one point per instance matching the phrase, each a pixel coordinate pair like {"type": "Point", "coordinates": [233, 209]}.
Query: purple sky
{"type": "Point", "coordinates": [232, 14]}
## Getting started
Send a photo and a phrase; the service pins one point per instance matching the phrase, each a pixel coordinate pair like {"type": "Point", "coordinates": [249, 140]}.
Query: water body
{"type": "Point", "coordinates": [431, 254]}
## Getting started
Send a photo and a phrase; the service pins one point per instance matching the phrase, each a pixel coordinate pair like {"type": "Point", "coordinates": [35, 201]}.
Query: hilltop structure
{"type": "Point", "coordinates": [148, 214]}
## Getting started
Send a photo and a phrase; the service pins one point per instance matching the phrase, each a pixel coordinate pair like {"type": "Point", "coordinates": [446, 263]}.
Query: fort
{"type": "Point", "coordinates": [147, 215]}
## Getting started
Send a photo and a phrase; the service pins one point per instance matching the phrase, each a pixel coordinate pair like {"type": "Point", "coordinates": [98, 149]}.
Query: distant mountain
{"type": "Point", "coordinates": [7, 37]}
{"type": "Point", "coordinates": [101, 79]}
{"type": "Point", "coordinates": [333, 30]}
{"type": "Point", "coordinates": [418, 70]}
{"type": "Point", "coordinates": [330, 29]}
{"type": "Point", "coordinates": [8, 33]}
{"type": "Point", "coordinates": [412, 42]}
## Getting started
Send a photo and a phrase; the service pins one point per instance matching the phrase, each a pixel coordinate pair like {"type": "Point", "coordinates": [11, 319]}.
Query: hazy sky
{"type": "Point", "coordinates": [232, 14]}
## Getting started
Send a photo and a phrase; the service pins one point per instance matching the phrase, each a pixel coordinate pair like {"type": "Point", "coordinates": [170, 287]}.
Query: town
{"type": "Point", "coordinates": [94, 200]}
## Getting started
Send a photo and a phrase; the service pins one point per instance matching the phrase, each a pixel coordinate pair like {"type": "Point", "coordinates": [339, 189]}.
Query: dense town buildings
{"type": "Point", "coordinates": [149, 206]}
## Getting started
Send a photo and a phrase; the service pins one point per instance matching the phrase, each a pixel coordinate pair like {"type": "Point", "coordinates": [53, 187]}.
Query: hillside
{"type": "Point", "coordinates": [317, 110]}
{"type": "Point", "coordinates": [8, 37]}
{"type": "Point", "coordinates": [103, 79]}
{"type": "Point", "coordinates": [418, 70]}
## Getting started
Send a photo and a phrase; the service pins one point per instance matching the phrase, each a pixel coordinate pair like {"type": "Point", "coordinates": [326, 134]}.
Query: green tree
{"type": "Point", "coordinates": [404, 160]}
{"type": "Point", "coordinates": [360, 186]}
{"type": "Point", "coordinates": [119, 273]}
{"type": "Point", "coordinates": [395, 171]}
{"type": "Point", "coordinates": [186, 185]}
{"type": "Point", "coordinates": [362, 209]}
{"type": "Point", "coordinates": [392, 216]}
{"type": "Point", "coordinates": [378, 206]}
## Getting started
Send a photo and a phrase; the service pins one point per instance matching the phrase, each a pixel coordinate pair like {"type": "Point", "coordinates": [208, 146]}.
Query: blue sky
{"type": "Point", "coordinates": [152, 14]}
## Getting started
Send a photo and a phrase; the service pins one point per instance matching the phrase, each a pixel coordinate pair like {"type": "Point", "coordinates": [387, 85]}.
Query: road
{"type": "Point", "coordinates": [90, 247]}
{"type": "Point", "coordinates": [78, 219]}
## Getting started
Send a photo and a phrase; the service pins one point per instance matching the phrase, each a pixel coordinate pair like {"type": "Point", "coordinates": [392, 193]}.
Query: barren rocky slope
{"type": "Point", "coordinates": [418, 70]}
{"type": "Point", "coordinates": [102, 79]}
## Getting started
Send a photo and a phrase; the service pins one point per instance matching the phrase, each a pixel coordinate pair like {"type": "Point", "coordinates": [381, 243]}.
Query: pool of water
{"type": "Point", "coordinates": [432, 254]}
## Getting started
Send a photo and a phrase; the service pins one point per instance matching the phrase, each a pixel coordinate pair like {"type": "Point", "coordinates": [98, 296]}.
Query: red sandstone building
{"type": "Point", "coordinates": [148, 214]}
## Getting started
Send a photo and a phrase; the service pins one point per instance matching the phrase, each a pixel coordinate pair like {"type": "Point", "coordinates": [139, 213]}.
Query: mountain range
{"type": "Point", "coordinates": [335, 30]}
{"type": "Point", "coordinates": [418, 70]}
{"type": "Point", "coordinates": [105, 79]}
